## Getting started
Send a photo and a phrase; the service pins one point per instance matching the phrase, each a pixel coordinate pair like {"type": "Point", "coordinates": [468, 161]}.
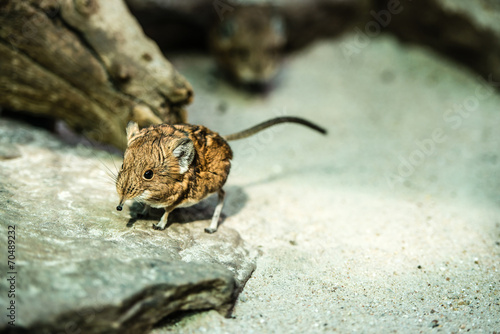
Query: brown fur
{"type": "Point", "coordinates": [167, 166]}
{"type": "Point", "coordinates": [151, 149]}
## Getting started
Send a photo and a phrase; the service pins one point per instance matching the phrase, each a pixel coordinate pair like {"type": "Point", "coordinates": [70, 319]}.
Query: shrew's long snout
{"type": "Point", "coordinates": [120, 205]}
{"type": "Point", "coordinates": [124, 190]}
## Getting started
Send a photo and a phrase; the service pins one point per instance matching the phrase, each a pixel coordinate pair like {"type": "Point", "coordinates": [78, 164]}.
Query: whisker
{"type": "Point", "coordinates": [108, 169]}
{"type": "Point", "coordinates": [111, 178]}
{"type": "Point", "coordinates": [116, 168]}
{"type": "Point", "coordinates": [112, 175]}
{"type": "Point", "coordinates": [107, 180]}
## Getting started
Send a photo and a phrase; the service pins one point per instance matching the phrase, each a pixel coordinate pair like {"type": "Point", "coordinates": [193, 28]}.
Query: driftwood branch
{"type": "Point", "coordinates": [88, 63]}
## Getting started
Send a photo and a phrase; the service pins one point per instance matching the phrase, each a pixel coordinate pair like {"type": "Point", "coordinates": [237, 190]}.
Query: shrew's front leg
{"type": "Point", "coordinates": [163, 221]}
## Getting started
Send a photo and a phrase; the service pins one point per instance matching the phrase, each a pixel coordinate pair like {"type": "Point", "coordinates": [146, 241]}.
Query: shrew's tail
{"type": "Point", "coordinates": [278, 120]}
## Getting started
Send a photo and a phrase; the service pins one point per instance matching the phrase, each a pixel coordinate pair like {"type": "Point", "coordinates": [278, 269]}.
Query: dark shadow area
{"type": "Point", "coordinates": [45, 122]}
{"type": "Point", "coordinates": [235, 200]}
{"type": "Point", "coordinates": [176, 317]}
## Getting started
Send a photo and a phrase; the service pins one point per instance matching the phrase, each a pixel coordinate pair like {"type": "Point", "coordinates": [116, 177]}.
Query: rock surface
{"type": "Point", "coordinates": [352, 241]}
{"type": "Point", "coordinates": [81, 265]}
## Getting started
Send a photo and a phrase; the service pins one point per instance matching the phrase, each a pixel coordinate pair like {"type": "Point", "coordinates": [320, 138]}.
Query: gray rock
{"type": "Point", "coordinates": [9, 152]}
{"type": "Point", "coordinates": [81, 265]}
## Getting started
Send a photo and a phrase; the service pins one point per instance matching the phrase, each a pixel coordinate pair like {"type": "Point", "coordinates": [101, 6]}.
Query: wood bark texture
{"type": "Point", "coordinates": [88, 63]}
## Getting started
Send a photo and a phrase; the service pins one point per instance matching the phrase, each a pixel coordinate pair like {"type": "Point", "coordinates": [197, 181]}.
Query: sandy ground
{"type": "Point", "coordinates": [391, 223]}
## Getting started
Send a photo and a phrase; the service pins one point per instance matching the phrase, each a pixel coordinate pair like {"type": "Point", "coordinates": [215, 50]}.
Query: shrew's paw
{"type": "Point", "coordinates": [210, 230]}
{"type": "Point", "coordinates": [158, 227]}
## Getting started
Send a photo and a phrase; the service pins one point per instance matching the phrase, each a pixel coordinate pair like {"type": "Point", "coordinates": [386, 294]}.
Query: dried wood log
{"type": "Point", "coordinates": [89, 63]}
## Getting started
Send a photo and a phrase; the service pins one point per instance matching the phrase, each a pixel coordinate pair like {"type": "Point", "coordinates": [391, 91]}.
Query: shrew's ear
{"type": "Point", "coordinates": [185, 153]}
{"type": "Point", "coordinates": [132, 131]}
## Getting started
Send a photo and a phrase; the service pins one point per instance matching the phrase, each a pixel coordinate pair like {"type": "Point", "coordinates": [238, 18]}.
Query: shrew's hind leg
{"type": "Point", "coordinates": [218, 209]}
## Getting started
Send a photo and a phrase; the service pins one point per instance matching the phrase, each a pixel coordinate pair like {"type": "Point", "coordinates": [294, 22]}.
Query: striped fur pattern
{"type": "Point", "coordinates": [169, 166]}
{"type": "Point", "coordinates": [152, 149]}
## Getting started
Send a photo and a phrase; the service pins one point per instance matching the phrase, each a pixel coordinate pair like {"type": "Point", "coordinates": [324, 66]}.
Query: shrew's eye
{"type": "Point", "coordinates": [148, 175]}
